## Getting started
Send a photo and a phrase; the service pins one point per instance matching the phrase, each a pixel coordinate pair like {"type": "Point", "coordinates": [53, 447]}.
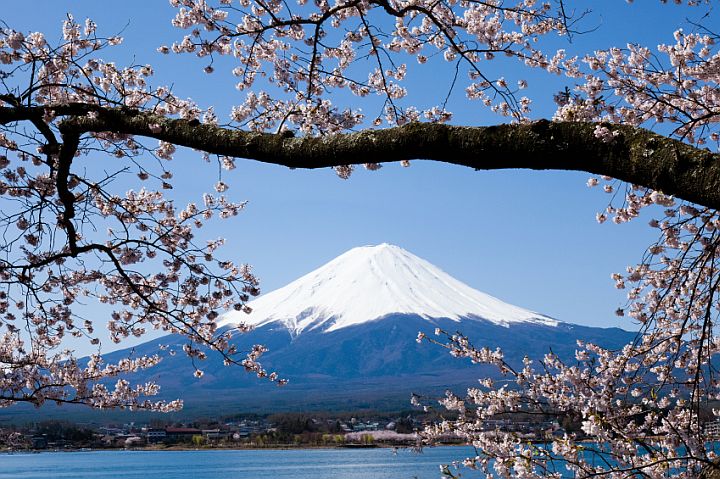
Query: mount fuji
{"type": "Point", "coordinates": [370, 283]}
{"type": "Point", "coordinates": [344, 335]}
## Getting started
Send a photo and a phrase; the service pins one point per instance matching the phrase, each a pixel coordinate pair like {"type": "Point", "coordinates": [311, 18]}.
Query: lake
{"type": "Point", "coordinates": [378, 463]}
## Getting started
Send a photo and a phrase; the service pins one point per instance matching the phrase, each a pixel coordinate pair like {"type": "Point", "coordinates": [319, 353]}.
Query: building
{"type": "Point", "coordinates": [712, 429]}
{"type": "Point", "coordinates": [155, 435]}
{"type": "Point", "coordinates": [39, 442]}
{"type": "Point", "coordinates": [181, 434]}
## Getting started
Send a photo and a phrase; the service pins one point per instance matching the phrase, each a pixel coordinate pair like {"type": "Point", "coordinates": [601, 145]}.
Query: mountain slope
{"type": "Point", "coordinates": [371, 365]}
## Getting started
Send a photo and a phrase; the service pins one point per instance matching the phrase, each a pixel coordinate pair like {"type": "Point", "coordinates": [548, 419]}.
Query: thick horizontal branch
{"type": "Point", "coordinates": [635, 155]}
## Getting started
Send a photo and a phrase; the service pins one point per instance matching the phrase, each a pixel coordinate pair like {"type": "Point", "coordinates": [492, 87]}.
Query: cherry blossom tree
{"type": "Point", "coordinates": [642, 120]}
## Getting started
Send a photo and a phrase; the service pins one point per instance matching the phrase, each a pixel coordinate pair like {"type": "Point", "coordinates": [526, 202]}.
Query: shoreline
{"type": "Point", "coordinates": [280, 447]}
{"type": "Point", "coordinates": [183, 448]}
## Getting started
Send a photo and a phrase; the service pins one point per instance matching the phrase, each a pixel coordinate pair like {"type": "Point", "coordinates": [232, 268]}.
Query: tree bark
{"type": "Point", "coordinates": [711, 471]}
{"type": "Point", "coordinates": [635, 155]}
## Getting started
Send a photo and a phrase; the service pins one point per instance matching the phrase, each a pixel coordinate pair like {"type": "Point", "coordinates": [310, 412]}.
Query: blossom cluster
{"type": "Point", "coordinates": [634, 406]}
{"type": "Point", "coordinates": [294, 59]}
{"type": "Point", "coordinates": [72, 237]}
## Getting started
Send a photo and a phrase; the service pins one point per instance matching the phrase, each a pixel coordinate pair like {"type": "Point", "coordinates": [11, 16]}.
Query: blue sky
{"type": "Point", "coordinates": [529, 238]}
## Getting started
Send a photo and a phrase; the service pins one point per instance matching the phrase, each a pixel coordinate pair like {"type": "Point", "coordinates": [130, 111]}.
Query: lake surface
{"type": "Point", "coordinates": [215, 464]}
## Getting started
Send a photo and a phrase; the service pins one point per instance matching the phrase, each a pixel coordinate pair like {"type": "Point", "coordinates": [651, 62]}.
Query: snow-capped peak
{"type": "Point", "coordinates": [370, 282]}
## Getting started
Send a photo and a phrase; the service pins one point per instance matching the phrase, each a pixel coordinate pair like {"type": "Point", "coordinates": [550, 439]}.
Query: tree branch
{"type": "Point", "coordinates": [635, 155]}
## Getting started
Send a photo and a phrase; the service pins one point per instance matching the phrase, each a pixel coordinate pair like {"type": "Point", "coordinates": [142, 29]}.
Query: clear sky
{"type": "Point", "coordinates": [529, 238]}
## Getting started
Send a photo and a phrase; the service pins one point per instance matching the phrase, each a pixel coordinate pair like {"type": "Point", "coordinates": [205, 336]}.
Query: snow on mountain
{"type": "Point", "coordinates": [371, 282]}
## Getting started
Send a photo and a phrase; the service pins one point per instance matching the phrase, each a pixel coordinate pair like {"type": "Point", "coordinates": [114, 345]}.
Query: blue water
{"type": "Point", "coordinates": [216, 464]}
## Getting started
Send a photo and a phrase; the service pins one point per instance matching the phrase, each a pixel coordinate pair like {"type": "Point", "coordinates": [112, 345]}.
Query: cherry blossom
{"type": "Point", "coordinates": [145, 262]}
{"type": "Point", "coordinates": [71, 237]}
